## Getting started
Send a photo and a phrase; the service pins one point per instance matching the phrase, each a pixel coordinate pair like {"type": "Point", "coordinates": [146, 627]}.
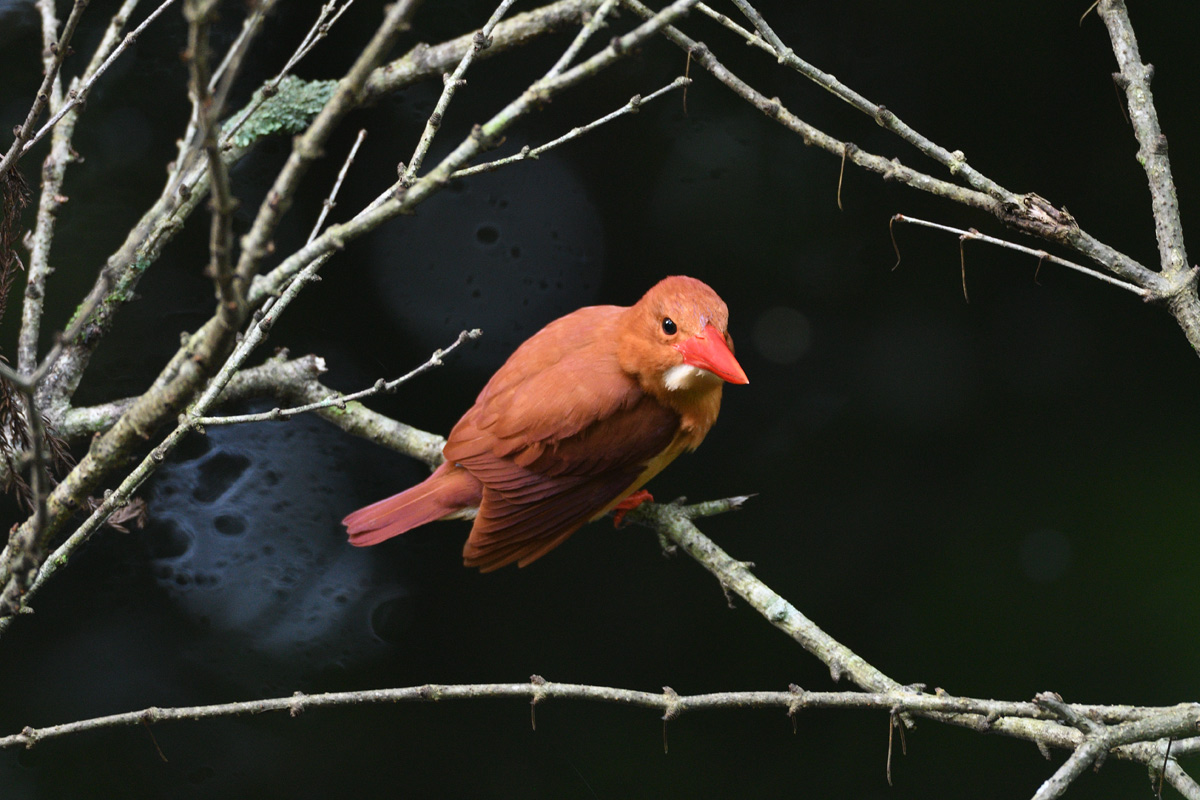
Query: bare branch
{"type": "Point", "coordinates": [1075, 765]}
{"type": "Point", "coordinates": [955, 162]}
{"type": "Point", "coordinates": [398, 198]}
{"type": "Point", "coordinates": [539, 690]}
{"type": "Point", "coordinates": [1184, 783]}
{"type": "Point", "coordinates": [298, 381]}
{"type": "Point", "coordinates": [51, 53]}
{"type": "Point", "coordinates": [331, 200]}
{"type": "Point", "coordinates": [308, 146]}
{"type": "Point", "coordinates": [521, 29]}
{"type": "Point", "coordinates": [327, 17]}
{"type": "Point", "coordinates": [782, 51]}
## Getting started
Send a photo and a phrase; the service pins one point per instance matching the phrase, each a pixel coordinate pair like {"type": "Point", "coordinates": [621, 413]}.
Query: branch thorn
{"type": "Point", "coordinates": [1089, 10]}
{"type": "Point", "coordinates": [892, 232]}
{"type": "Point", "coordinates": [841, 175]}
{"type": "Point", "coordinates": [538, 693]}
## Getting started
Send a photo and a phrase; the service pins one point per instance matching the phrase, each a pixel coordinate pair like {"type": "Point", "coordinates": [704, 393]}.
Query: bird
{"type": "Point", "coordinates": [572, 425]}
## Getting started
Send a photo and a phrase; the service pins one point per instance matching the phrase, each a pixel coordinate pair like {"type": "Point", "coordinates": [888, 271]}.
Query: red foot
{"type": "Point", "coordinates": [629, 504]}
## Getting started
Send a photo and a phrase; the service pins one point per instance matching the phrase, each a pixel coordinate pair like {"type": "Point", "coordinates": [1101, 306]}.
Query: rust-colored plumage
{"type": "Point", "coordinates": [582, 414]}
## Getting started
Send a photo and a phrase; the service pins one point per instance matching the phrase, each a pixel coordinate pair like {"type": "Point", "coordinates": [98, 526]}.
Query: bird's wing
{"type": "Point", "coordinates": [537, 495]}
{"type": "Point", "coordinates": [558, 434]}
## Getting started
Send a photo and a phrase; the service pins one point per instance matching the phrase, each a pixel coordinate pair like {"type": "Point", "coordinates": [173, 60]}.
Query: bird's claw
{"type": "Point", "coordinates": [629, 504]}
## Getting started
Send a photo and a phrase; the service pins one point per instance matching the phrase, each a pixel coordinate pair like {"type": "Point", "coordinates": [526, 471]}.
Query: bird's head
{"type": "Point", "coordinates": [675, 339]}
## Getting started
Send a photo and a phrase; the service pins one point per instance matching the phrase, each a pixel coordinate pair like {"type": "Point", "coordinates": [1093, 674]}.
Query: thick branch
{"type": "Point", "coordinates": [1134, 78]}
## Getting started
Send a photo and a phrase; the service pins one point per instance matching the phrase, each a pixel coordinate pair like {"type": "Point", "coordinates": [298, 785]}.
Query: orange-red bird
{"type": "Point", "coordinates": [576, 421]}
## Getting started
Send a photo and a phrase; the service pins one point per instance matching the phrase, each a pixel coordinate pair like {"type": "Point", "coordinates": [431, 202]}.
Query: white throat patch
{"type": "Point", "coordinates": [685, 376]}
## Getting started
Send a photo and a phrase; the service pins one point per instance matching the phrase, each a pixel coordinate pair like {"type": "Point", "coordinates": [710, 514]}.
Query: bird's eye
{"type": "Point", "coordinates": [669, 326]}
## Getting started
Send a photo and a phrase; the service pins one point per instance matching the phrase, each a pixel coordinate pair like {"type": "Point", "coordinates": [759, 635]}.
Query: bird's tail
{"type": "Point", "coordinates": [446, 493]}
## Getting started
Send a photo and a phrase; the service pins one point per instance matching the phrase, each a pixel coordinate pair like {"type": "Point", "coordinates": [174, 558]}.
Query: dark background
{"type": "Point", "coordinates": [995, 497]}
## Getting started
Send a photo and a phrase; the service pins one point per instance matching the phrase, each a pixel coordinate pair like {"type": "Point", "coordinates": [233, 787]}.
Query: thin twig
{"type": "Point", "coordinates": [340, 400]}
{"type": "Point", "coordinates": [328, 16]}
{"type": "Point", "coordinates": [331, 200]}
{"type": "Point", "coordinates": [588, 30]}
{"type": "Point", "coordinates": [632, 107]}
{"type": "Point", "coordinates": [308, 146]}
{"type": "Point", "coordinates": [564, 60]}
{"type": "Point", "coordinates": [1042, 255]}
{"type": "Point", "coordinates": [1075, 765]}
{"type": "Point", "coordinates": [250, 27]}
{"type": "Point", "coordinates": [77, 94]}
{"type": "Point", "coordinates": [52, 54]}
{"type": "Point", "coordinates": [53, 171]}
{"type": "Point", "coordinates": [157, 227]}
{"type": "Point", "coordinates": [782, 51]}
{"type": "Point", "coordinates": [841, 175]}
{"type": "Point", "coordinates": [209, 94]}
{"type": "Point", "coordinates": [200, 137]}
{"type": "Point", "coordinates": [1184, 783]}
{"type": "Point", "coordinates": [954, 161]}
{"type": "Point", "coordinates": [451, 83]}
{"type": "Point", "coordinates": [676, 521]}
{"type": "Point", "coordinates": [289, 381]}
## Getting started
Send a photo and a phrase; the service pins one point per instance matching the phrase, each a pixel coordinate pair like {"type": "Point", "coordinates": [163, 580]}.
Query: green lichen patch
{"type": "Point", "coordinates": [289, 109]}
